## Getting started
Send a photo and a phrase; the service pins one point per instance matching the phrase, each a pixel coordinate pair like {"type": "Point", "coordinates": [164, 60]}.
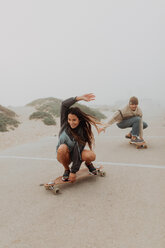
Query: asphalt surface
{"type": "Point", "coordinates": [123, 209]}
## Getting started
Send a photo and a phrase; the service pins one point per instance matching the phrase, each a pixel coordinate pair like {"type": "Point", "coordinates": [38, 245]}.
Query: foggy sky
{"type": "Point", "coordinates": [65, 48]}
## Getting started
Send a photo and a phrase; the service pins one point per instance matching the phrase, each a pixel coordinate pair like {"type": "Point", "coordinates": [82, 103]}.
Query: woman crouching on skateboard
{"type": "Point", "coordinates": [75, 133]}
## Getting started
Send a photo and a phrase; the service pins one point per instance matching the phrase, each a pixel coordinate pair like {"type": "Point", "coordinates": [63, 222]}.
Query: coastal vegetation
{"type": "Point", "coordinates": [48, 109]}
{"type": "Point", "coordinates": [8, 119]}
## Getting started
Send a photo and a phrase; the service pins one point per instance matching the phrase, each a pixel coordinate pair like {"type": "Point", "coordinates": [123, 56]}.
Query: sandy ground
{"type": "Point", "coordinates": [28, 130]}
{"type": "Point", "coordinates": [124, 209]}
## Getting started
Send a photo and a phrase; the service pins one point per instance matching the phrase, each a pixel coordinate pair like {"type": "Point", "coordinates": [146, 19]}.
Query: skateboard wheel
{"type": "Point", "coordinates": [102, 173]}
{"type": "Point", "coordinates": [142, 146]}
{"type": "Point", "coordinates": [56, 191]}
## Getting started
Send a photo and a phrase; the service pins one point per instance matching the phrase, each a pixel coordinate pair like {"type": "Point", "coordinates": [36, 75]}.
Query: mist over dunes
{"type": "Point", "coordinates": [36, 119]}
{"type": "Point", "coordinates": [45, 109]}
{"type": "Point", "coordinates": [52, 106]}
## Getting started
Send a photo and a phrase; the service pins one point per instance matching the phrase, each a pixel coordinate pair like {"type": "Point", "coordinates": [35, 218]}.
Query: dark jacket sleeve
{"type": "Point", "coordinates": [76, 158]}
{"type": "Point", "coordinates": [64, 108]}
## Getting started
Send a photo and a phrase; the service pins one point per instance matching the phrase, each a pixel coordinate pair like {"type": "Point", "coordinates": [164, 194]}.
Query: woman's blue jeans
{"type": "Point", "coordinates": [133, 122]}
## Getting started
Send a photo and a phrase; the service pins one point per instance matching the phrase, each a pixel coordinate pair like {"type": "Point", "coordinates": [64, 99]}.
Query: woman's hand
{"type": "Point", "coordinates": [101, 130]}
{"type": "Point", "coordinates": [72, 177]}
{"type": "Point", "coordinates": [87, 97]}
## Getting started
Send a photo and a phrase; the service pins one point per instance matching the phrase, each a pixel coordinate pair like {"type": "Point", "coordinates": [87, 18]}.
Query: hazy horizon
{"type": "Point", "coordinates": [114, 49]}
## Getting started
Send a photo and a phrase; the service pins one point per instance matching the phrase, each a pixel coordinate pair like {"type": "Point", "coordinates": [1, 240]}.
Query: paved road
{"type": "Point", "coordinates": [123, 210]}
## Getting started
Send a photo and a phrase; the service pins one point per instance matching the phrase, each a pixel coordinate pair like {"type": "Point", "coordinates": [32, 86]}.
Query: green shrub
{"type": "Point", "coordinates": [45, 117]}
{"type": "Point", "coordinates": [51, 108]}
{"type": "Point", "coordinates": [94, 112]}
{"type": "Point", "coordinates": [7, 122]}
{"type": "Point", "coordinates": [39, 115]}
{"type": "Point", "coordinates": [49, 121]}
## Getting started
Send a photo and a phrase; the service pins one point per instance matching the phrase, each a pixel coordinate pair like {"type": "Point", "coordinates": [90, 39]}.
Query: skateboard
{"type": "Point", "coordinates": [139, 145]}
{"type": "Point", "coordinates": [54, 185]}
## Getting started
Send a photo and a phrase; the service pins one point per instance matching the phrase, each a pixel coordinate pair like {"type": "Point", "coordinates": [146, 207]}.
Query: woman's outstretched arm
{"type": "Point", "coordinates": [66, 104]}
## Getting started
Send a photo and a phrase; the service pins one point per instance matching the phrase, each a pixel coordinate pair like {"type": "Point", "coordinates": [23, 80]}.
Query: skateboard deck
{"type": "Point", "coordinates": [54, 185]}
{"type": "Point", "coordinates": [141, 145]}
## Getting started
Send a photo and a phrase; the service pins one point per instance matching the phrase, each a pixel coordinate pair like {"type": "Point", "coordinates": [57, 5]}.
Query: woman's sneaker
{"type": "Point", "coordinates": [65, 176]}
{"type": "Point", "coordinates": [91, 168]}
{"type": "Point", "coordinates": [137, 140]}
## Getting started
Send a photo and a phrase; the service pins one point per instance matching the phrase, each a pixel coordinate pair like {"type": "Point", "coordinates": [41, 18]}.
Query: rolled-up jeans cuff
{"type": "Point", "coordinates": [135, 135]}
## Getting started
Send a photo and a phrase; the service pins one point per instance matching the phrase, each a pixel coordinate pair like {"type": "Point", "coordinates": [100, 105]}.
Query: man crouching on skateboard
{"type": "Point", "coordinates": [75, 133]}
{"type": "Point", "coordinates": [129, 117]}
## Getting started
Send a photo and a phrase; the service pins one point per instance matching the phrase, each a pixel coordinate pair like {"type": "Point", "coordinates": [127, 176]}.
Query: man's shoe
{"type": "Point", "coordinates": [137, 140]}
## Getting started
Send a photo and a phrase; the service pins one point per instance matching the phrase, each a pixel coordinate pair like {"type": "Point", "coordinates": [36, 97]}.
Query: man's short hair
{"type": "Point", "coordinates": [133, 100]}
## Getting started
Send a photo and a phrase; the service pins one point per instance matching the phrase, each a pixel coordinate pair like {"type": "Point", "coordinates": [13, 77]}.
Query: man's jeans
{"type": "Point", "coordinates": [133, 122]}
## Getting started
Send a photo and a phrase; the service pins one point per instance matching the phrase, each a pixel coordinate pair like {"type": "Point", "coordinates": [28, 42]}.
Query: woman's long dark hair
{"type": "Point", "coordinates": [86, 122]}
